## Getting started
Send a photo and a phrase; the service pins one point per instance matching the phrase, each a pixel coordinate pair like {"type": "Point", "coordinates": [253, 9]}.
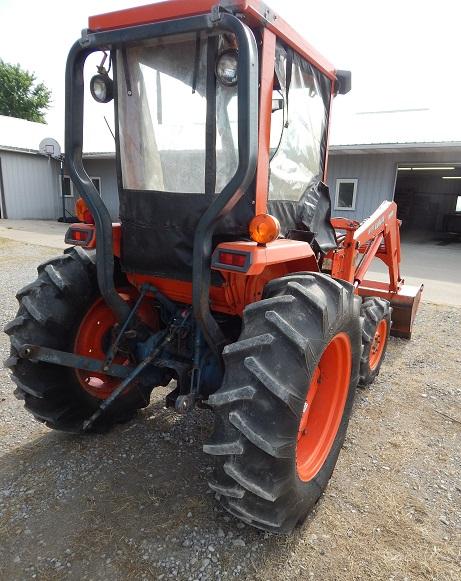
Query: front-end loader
{"type": "Point", "coordinates": [226, 275]}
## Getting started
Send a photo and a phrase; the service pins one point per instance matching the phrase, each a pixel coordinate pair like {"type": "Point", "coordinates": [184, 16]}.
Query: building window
{"type": "Point", "coordinates": [69, 188]}
{"type": "Point", "coordinates": [458, 204]}
{"type": "Point", "coordinates": [346, 194]}
{"type": "Point", "coordinates": [97, 184]}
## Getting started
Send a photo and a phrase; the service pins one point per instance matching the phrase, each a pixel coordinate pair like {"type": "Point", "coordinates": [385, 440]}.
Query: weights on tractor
{"type": "Point", "coordinates": [225, 276]}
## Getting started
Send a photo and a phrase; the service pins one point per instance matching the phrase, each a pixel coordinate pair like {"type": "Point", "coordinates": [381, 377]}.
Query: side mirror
{"type": "Point", "coordinates": [343, 82]}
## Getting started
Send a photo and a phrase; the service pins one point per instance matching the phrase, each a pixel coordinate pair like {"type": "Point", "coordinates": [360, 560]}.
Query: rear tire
{"type": "Point", "coordinates": [260, 405]}
{"type": "Point", "coordinates": [50, 312]}
{"type": "Point", "coordinates": [376, 314]}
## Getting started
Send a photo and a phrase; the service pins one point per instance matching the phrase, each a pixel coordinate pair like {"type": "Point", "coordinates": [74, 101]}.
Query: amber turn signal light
{"type": "Point", "coordinates": [264, 229]}
{"type": "Point", "coordinates": [83, 213]}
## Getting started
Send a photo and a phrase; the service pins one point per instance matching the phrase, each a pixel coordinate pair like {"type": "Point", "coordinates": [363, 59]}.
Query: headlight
{"type": "Point", "coordinates": [102, 88]}
{"type": "Point", "coordinates": [227, 68]}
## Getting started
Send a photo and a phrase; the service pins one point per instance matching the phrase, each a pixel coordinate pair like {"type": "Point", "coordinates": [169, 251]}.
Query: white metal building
{"type": "Point", "coordinates": [412, 156]}
{"type": "Point", "coordinates": [30, 183]}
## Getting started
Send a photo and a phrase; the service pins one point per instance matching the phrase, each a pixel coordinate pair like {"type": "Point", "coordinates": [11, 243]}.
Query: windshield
{"type": "Point", "coordinates": [177, 123]}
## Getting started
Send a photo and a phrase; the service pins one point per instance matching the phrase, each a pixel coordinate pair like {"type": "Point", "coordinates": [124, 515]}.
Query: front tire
{"type": "Point", "coordinates": [299, 332]}
{"type": "Point", "coordinates": [376, 315]}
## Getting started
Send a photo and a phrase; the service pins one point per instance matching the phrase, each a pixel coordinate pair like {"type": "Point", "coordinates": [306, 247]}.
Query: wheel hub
{"type": "Point", "coordinates": [94, 337]}
{"type": "Point", "coordinates": [378, 343]}
{"type": "Point", "coordinates": [324, 407]}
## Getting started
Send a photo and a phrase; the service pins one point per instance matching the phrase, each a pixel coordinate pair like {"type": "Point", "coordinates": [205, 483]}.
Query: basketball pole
{"type": "Point", "coordinates": [63, 197]}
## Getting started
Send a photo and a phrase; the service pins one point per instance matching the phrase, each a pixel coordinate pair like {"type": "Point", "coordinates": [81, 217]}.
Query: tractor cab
{"type": "Point", "coordinates": [222, 116]}
{"type": "Point", "coordinates": [178, 108]}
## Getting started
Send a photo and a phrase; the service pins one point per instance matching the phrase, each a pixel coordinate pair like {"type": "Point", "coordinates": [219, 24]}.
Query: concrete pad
{"type": "Point", "coordinates": [40, 232]}
{"type": "Point", "coordinates": [434, 263]}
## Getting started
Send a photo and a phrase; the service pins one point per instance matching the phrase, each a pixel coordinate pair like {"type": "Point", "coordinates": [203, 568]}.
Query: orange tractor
{"type": "Point", "coordinates": [226, 274]}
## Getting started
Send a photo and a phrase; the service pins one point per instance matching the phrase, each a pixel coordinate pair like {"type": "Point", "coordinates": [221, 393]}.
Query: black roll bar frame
{"type": "Point", "coordinates": [248, 74]}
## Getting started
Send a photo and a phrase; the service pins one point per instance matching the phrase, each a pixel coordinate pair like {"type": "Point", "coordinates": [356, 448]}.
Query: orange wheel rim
{"type": "Point", "coordinates": [324, 407]}
{"type": "Point", "coordinates": [377, 346]}
{"type": "Point", "coordinates": [94, 337]}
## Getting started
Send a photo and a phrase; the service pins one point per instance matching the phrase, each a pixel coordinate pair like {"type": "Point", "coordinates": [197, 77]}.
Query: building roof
{"type": "Point", "coordinates": [25, 136]}
{"type": "Point", "coordinates": [397, 129]}
{"type": "Point", "coordinates": [378, 131]}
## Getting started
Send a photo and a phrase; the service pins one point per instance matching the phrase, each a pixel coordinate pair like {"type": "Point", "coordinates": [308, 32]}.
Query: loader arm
{"type": "Point", "coordinates": [378, 236]}
{"type": "Point", "coordinates": [358, 245]}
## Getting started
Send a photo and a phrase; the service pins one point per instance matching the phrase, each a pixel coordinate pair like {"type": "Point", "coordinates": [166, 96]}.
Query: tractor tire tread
{"type": "Point", "coordinates": [373, 310]}
{"type": "Point", "coordinates": [50, 311]}
{"type": "Point", "coordinates": [260, 402]}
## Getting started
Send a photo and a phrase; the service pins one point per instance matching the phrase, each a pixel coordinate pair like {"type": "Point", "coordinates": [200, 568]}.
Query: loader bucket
{"type": "Point", "coordinates": [404, 304]}
{"type": "Point", "coordinates": [404, 307]}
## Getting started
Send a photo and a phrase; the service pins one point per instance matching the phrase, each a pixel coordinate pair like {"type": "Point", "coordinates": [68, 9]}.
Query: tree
{"type": "Point", "coordinates": [20, 96]}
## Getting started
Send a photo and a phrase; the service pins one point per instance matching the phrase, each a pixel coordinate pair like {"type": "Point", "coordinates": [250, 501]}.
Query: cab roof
{"type": "Point", "coordinates": [256, 12]}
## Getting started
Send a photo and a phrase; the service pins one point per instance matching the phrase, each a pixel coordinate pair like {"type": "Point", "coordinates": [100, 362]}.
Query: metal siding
{"type": "Point", "coordinates": [30, 184]}
{"type": "Point", "coordinates": [105, 169]}
{"type": "Point", "coordinates": [375, 175]}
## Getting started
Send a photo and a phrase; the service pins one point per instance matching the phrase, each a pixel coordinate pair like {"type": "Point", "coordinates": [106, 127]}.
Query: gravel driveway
{"type": "Point", "coordinates": [134, 504]}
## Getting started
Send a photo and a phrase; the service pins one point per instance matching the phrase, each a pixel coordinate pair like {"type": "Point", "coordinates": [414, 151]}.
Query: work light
{"type": "Point", "coordinates": [227, 68]}
{"type": "Point", "coordinates": [102, 88]}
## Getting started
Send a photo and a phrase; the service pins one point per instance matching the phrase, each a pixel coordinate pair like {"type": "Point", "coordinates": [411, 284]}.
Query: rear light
{"type": "Point", "coordinates": [231, 260]}
{"type": "Point", "coordinates": [81, 235]}
{"type": "Point", "coordinates": [78, 235]}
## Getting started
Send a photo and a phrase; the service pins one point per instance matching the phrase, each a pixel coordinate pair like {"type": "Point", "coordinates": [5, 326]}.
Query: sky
{"type": "Point", "coordinates": [403, 54]}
